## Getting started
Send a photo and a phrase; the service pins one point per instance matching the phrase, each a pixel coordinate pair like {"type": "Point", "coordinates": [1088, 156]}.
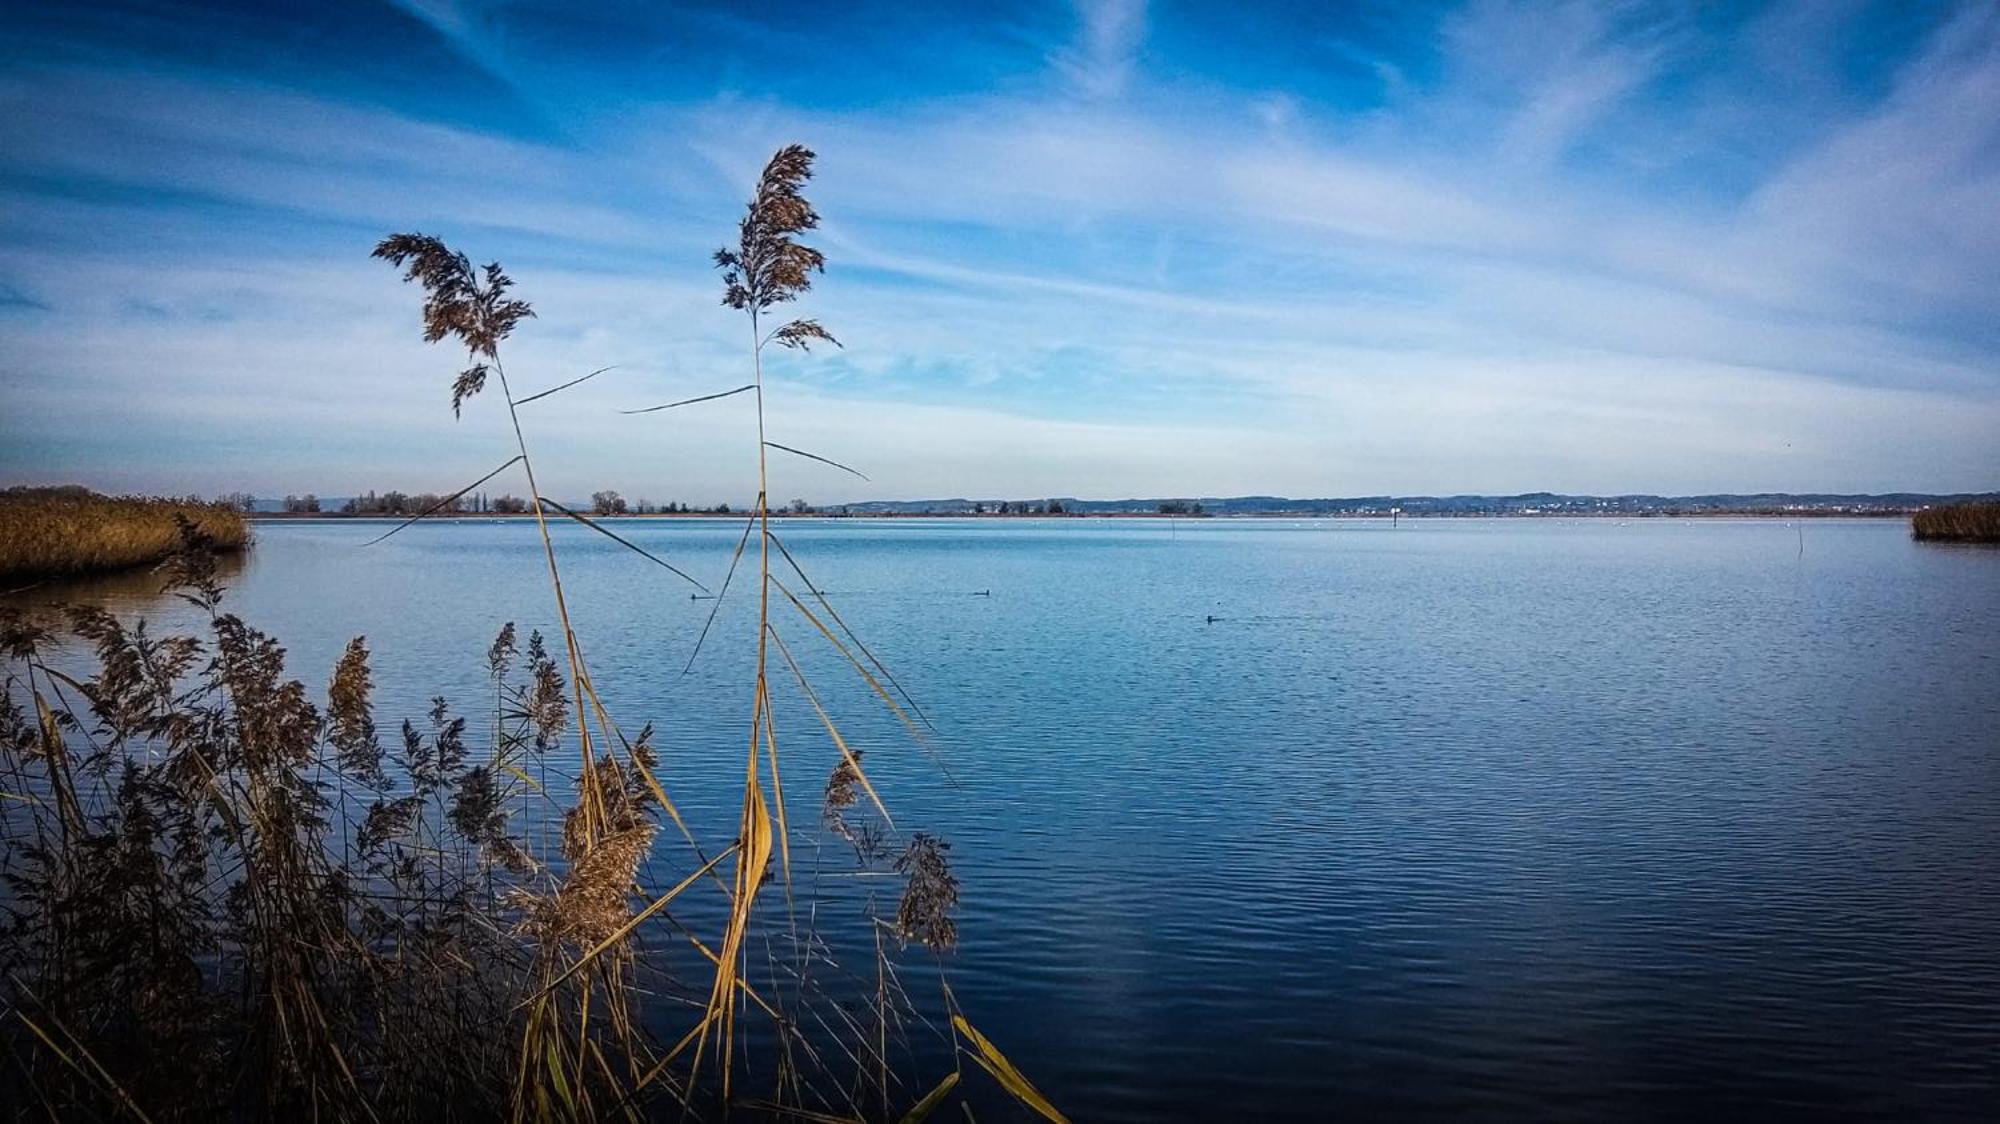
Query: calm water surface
{"type": "Point", "coordinates": [1522, 819]}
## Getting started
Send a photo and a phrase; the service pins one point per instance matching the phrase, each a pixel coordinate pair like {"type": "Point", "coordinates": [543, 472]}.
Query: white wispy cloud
{"type": "Point", "coordinates": [1101, 60]}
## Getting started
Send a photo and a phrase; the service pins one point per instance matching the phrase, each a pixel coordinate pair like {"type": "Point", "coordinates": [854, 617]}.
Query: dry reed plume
{"type": "Point", "coordinates": [53, 532]}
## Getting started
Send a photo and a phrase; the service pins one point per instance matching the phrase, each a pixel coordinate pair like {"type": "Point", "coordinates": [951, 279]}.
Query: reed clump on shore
{"type": "Point", "coordinates": [1963, 522]}
{"type": "Point", "coordinates": [224, 898]}
{"type": "Point", "coordinates": [56, 532]}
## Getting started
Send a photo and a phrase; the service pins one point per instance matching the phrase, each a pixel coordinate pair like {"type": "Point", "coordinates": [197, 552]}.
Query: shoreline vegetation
{"type": "Point", "coordinates": [232, 896]}
{"type": "Point", "coordinates": [1969, 522]}
{"type": "Point", "coordinates": [286, 516]}
{"type": "Point", "coordinates": [72, 531]}
{"type": "Point", "coordinates": [609, 504]}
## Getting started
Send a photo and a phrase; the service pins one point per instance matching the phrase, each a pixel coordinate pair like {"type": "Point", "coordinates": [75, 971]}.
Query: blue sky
{"type": "Point", "coordinates": [1101, 249]}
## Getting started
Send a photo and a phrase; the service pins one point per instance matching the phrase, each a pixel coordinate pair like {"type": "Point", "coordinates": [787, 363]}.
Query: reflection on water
{"type": "Point", "coordinates": [1521, 819]}
{"type": "Point", "coordinates": [138, 591]}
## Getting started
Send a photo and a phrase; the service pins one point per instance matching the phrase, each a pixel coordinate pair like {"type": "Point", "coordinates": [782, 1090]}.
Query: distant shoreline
{"type": "Point", "coordinates": [738, 516]}
{"type": "Point", "coordinates": [1625, 505]}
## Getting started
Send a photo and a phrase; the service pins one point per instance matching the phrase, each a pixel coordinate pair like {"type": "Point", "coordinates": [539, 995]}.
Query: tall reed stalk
{"type": "Point", "coordinates": [604, 849]}
{"type": "Point", "coordinates": [766, 268]}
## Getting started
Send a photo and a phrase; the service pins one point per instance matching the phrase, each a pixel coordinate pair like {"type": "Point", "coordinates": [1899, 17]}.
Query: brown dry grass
{"type": "Point", "coordinates": [53, 532]}
{"type": "Point", "coordinates": [1964, 522]}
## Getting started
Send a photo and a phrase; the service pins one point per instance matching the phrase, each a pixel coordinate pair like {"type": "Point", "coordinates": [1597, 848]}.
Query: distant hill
{"type": "Point", "coordinates": [1526, 503]}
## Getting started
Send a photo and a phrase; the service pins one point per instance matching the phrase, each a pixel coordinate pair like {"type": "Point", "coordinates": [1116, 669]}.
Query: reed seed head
{"type": "Point", "coordinates": [460, 301]}
{"type": "Point", "coordinates": [768, 266]}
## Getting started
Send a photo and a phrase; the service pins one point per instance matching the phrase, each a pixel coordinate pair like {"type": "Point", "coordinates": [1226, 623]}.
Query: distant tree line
{"type": "Point", "coordinates": [606, 502]}
{"type": "Point", "coordinates": [611, 503]}
{"type": "Point", "coordinates": [1022, 507]}
{"type": "Point", "coordinates": [400, 503]}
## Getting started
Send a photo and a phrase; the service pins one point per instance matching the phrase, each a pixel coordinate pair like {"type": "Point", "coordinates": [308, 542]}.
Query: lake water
{"type": "Point", "coordinates": [1528, 819]}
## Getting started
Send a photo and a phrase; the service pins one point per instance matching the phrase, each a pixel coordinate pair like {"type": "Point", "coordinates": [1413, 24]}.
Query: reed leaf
{"type": "Point", "coordinates": [853, 760]}
{"type": "Point", "coordinates": [624, 542]}
{"type": "Point", "coordinates": [778, 797]}
{"type": "Point", "coordinates": [820, 596]}
{"type": "Point", "coordinates": [753, 857]}
{"type": "Point", "coordinates": [880, 691]}
{"type": "Point", "coordinates": [921, 1111]}
{"type": "Point", "coordinates": [565, 386]}
{"type": "Point", "coordinates": [447, 501]}
{"type": "Point", "coordinates": [96, 1073]}
{"type": "Point", "coordinates": [994, 1062]}
{"type": "Point", "coordinates": [797, 1113]}
{"type": "Point", "coordinates": [748, 526]}
{"type": "Point", "coordinates": [814, 457]}
{"type": "Point", "coordinates": [745, 388]}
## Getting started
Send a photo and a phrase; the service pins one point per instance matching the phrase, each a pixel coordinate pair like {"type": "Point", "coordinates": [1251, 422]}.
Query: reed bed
{"type": "Point", "coordinates": [224, 895]}
{"type": "Point", "coordinates": [54, 532]}
{"type": "Point", "coordinates": [1965, 522]}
